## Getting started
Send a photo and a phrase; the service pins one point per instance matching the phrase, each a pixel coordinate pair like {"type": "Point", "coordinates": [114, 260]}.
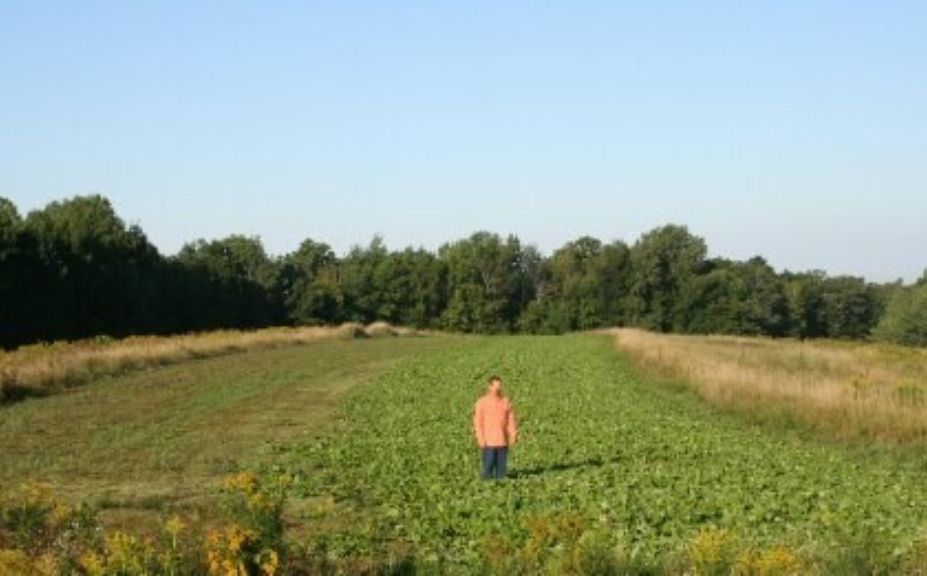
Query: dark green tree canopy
{"type": "Point", "coordinates": [75, 269]}
{"type": "Point", "coordinates": [664, 261]}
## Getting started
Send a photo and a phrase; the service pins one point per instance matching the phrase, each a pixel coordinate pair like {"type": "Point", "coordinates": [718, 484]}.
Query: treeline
{"type": "Point", "coordinates": [74, 269]}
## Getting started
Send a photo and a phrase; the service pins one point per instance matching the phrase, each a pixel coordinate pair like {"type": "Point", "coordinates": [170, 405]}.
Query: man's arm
{"type": "Point", "coordinates": [511, 426]}
{"type": "Point", "coordinates": [478, 424]}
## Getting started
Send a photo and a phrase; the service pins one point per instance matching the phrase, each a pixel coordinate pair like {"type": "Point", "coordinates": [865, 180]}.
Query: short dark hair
{"type": "Point", "coordinates": [494, 378]}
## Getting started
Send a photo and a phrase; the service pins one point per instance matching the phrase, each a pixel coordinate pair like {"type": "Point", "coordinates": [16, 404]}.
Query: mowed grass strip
{"type": "Point", "coordinates": [646, 467]}
{"type": "Point", "coordinates": [164, 436]}
{"type": "Point", "coordinates": [849, 390]}
{"type": "Point", "coordinates": [48, 368]}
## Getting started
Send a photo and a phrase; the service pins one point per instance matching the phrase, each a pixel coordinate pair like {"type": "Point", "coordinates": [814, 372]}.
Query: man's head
{"type": "Point", "coordinates": [495, 385]}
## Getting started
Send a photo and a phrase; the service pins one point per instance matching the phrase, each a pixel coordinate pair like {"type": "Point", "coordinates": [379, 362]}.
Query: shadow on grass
{"type": "Point", "coordinates": [12, 392]}
{"type": "Point", "coordinates": [561, 467]}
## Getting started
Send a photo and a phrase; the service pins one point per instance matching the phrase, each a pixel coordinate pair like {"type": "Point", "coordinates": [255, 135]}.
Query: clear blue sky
{"type": "Point", "coordinates": [792, 129]}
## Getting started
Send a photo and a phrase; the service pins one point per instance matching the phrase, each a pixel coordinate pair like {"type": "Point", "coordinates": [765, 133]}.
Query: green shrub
{"type": "Point", "coordinates": [905, 320]}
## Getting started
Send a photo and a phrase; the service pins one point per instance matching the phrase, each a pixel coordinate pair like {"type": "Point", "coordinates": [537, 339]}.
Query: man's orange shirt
{"type": "Point", "coordinates": [494, 422]}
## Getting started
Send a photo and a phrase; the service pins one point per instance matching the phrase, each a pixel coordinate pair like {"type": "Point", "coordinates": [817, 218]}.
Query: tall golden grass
{"type": "Point", "coordinates": [851, 390]}
{"type": "Point", "coordinates": [43, 369]}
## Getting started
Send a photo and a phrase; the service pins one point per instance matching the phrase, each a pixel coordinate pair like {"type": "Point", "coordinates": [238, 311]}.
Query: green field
{"type": "Point", "coordinates": [163, 437]}
{"type": "Point", "coordinates": [377, 436]}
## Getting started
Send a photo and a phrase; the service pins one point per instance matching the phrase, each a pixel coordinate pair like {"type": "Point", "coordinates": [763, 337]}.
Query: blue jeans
{"type": "Point", "coordinates": [494, 460]}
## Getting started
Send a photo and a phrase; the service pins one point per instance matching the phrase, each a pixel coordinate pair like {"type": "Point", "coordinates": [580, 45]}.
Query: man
{"type": "Point", "coordinates": [495, 427]}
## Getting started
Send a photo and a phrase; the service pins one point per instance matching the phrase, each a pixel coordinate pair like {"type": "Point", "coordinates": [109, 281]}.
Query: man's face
{"type": "Point", "coordinates": [495, 387]}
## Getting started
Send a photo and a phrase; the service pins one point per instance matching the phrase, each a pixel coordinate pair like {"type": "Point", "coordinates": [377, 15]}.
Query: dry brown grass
{"type": "Point", "coordinates": [43, 369]}
{"type": "Point", "coordinates": [386, 329]}
{"type": "Point", "coordinates": [851, 390]}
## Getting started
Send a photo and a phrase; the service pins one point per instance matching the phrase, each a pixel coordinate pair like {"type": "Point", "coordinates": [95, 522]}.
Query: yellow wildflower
{"type": "Point", "coordinates": [92, 564]}
{"type": "Point", "coordinates": [270, 563]}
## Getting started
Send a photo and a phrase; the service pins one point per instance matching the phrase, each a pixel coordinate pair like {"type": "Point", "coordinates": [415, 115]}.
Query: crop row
{"type": "Point", "coordinates": [647, 468]}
